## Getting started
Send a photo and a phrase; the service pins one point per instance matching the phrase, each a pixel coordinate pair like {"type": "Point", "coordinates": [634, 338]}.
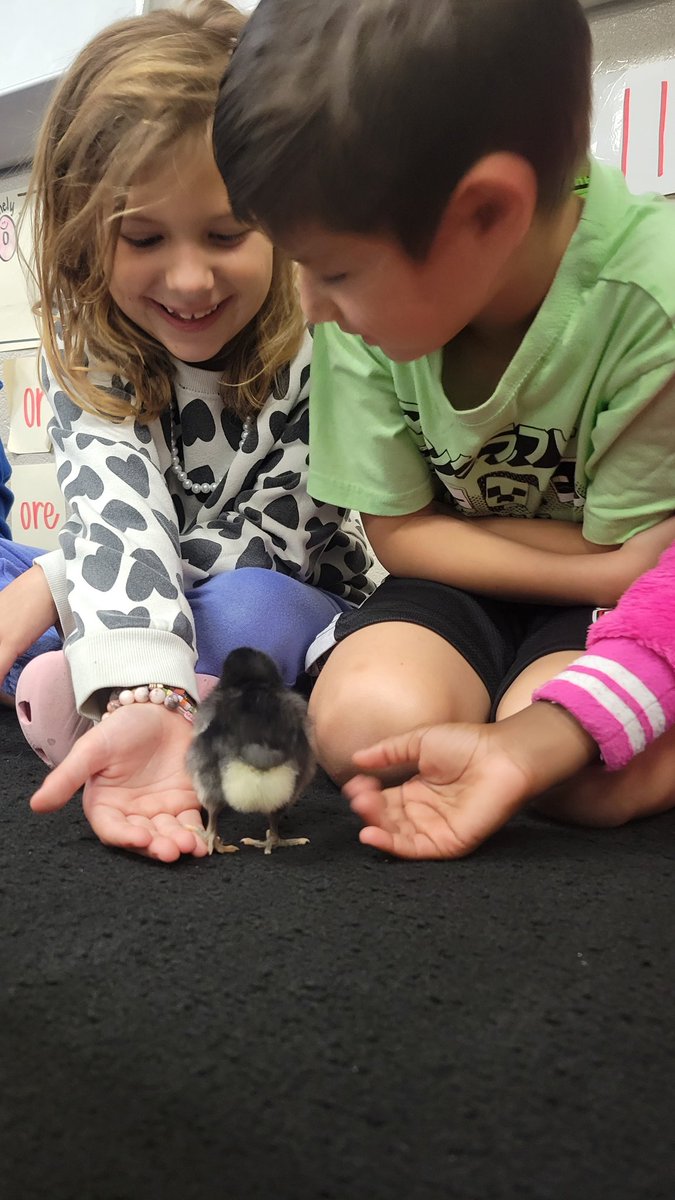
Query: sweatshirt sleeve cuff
{"type": "Point", "coordinates": [127, 658]}
{"type": "Point", "coordinates": [54, 566]}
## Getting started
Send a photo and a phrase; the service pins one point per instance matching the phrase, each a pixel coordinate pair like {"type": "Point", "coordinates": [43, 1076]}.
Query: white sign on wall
{"type": "Point", "coordinates": [17, 323]}
{"type": "Point", "coordinates": [29, 409]}
{"type": "Point", "coordinates": [38, 510]}
{"type": "Point", "coordinates": [634, 124]}
{"type": "Point", "coordinates": [37, 514]}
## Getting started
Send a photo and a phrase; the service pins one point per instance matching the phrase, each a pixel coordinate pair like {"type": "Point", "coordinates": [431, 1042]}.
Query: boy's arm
{"type": "Point", "coordinates": [562, 537]}
{"type": "Point", "coordinates": [428, 545]}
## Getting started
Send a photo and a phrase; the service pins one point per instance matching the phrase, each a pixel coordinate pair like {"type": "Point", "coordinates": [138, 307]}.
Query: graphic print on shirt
{"type": "Point", "coordinates": [521, 471]}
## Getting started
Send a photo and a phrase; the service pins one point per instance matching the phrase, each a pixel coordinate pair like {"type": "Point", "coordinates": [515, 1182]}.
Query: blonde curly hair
{"type": "Point", "coordinates": [134, 92]}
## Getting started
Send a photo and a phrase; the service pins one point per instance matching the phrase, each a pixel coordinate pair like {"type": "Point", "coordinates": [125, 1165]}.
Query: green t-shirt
{"type": "Point", "coordinates": [581, 426]}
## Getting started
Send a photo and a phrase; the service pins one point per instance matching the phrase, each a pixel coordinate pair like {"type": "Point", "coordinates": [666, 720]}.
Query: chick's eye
{"type": "Point", "coordinates": [332, 280]}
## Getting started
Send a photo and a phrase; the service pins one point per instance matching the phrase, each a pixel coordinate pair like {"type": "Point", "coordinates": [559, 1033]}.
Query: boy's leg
{"type": "Point", "coordinates": [519, 694]}
{"type": "Point", "coordinates": [415, 653]}
{"type": "Point", "coordinates": [552, 638]}
{"type": "Point", "coordinates": [386, 679]}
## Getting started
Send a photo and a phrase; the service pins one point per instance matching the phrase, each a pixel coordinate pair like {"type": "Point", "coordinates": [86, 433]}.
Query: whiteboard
{"type": "Point", "coordinates": [64, 28]}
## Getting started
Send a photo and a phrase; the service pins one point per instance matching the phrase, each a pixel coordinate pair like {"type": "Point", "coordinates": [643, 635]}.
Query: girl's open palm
{"type": "Point", "coordinates": [137, 792]}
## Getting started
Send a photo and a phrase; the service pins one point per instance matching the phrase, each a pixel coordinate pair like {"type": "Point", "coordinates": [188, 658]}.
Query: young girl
{"type": "Point", "coordinates": [177, 365]}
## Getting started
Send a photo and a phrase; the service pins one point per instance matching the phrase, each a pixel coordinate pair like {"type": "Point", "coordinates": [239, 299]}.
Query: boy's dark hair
{"type": "Point", "coordinates": [363, 115]}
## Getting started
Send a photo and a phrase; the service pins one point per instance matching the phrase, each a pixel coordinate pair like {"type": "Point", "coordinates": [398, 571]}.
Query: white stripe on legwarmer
{"type": "Point", "coordinates": [632, 684]}
{"type": "Point", "coordinates": [607, 699]}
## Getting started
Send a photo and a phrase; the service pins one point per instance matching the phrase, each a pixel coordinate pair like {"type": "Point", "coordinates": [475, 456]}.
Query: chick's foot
{"type": "Point", "coordinates": [213, 841]}
{"type": "Point", "coordinates": [272, 841]}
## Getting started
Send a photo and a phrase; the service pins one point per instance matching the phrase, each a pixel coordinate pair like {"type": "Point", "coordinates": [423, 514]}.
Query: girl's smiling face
{"type": "Point", "coordinates": [184, 269]}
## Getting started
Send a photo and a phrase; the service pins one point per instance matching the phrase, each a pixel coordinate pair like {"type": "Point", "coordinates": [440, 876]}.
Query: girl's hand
{"type": "Point", "coordinates": [471, 779]}
{"type": "Point", "coordinates": [137, 792]}
{"type": "Point", "coordinates": [27, 610]}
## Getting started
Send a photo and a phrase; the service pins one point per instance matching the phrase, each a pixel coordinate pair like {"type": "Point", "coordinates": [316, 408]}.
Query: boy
{"type": "Point", "coordinates": [427, 166]}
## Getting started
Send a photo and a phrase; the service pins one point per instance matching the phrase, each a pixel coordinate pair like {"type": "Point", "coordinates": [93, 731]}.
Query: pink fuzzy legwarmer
{"type": "Point", "coordinates": [623, 689]}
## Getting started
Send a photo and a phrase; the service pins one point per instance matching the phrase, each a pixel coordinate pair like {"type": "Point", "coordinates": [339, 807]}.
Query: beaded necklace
{"type": "Point", "coordinates": [179, 470]}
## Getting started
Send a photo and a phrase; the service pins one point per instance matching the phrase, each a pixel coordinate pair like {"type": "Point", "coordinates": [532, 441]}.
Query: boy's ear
{"type": "Point", "coordinates": [495, 201]}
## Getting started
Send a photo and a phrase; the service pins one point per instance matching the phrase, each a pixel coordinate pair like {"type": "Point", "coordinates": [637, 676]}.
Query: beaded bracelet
{"type": "Point", "coordinates": [175, 699]}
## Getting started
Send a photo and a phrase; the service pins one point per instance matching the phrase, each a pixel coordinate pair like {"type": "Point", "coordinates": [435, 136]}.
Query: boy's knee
{"type": "Point", "coordinates": [351, 711]}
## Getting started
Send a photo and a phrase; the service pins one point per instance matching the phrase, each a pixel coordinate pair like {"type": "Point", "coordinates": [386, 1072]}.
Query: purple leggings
{"type": "Point", "coordinates": [263, 609]}
{"type": "Point", "coordinates": [249, 607]}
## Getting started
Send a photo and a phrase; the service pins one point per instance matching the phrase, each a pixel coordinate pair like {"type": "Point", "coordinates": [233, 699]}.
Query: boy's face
{"type": "Point", "coordinates": [371, 287]}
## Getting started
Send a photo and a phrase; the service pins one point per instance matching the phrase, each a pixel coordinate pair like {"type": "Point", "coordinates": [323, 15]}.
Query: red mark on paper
{"type": "Point", "coordinates": [662, 128]}
{"type": "Point", "coordinates": [34, 513]}
{"type": "Point", "coordinates": [626, 131]}
{"type": "Point", "coordinates": [32, 406]}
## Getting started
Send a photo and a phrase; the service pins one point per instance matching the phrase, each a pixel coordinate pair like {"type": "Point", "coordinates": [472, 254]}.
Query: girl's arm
{"type": "Point", "coordinates": [467, 780]}
{"type": "Point", "coordinates": [124, 606]}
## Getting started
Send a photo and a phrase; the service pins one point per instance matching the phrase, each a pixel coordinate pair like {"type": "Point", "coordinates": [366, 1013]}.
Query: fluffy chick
{"type": "Point", "coordinates": [251, 749]}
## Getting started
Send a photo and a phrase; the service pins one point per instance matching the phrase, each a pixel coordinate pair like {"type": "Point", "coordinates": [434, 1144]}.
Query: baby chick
{"type": "Point", "coordinates": [251, 749]}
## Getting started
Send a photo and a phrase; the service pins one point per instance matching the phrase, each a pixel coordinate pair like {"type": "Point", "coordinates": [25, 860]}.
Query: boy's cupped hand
{"type": "Point", "coordinates": [137, 793]}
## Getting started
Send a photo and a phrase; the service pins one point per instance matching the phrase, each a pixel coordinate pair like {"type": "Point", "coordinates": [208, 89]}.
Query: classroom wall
{"type": "Point", "coordinates": [633, 32]}
{"type": "Point", "coordinates": [624, 33]}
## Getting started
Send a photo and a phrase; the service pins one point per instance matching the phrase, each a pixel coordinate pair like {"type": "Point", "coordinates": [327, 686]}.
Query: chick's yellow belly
{"type": "Point", "coordinates": [247, 789]}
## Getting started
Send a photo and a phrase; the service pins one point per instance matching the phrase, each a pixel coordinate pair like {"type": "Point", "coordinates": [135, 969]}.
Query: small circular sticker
{"type": "Point", "coordinates": [7, 238]}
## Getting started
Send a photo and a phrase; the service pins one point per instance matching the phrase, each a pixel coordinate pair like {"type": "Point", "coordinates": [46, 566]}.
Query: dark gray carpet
{"type": "Point", "coordinates": [329, 1023]}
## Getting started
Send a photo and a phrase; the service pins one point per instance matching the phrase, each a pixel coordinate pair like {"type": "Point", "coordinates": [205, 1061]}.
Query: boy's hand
{"type": "Point", "coordinates": [137, 792]}
{"type": "Point", "coordinates": [471, 779]}
{"type": "Point", "coordinates": [26, 611]}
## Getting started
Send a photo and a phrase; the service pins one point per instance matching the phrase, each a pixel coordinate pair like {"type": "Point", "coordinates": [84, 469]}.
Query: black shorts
{"type": "Point", "coordinates": [498, 638]}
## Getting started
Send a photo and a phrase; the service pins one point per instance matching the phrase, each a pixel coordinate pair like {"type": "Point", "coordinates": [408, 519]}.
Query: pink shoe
{"type": "Point", "coordinates": [45, 706]}
{"type": "Point", "coordinates": [206, 684]}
